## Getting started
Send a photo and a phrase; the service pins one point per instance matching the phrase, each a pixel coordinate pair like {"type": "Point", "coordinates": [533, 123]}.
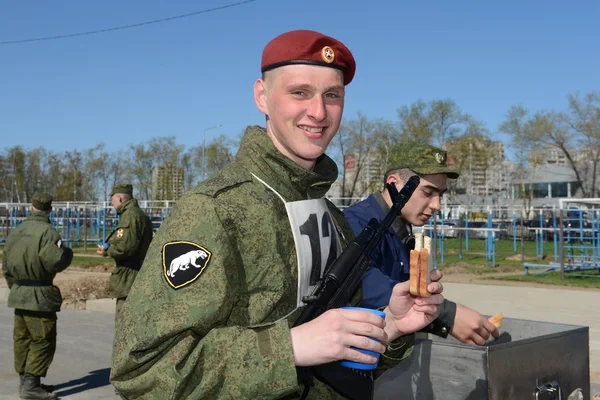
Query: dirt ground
{"type": "Point", "coordinates": [78, 285]}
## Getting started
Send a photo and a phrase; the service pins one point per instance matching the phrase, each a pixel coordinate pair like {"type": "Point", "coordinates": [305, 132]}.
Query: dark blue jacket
{"type": "Point", "coordinates": [390, 264]}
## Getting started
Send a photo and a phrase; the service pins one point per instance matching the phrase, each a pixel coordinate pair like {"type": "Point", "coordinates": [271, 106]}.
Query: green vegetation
{"type": "Point", "coordinates": [553, 278]}
{"type": "Point", "coordinates": [87, 259]}
{"type": "Point", "coordinates": [87, 262]}
{"type": "Point", "coordinates": [474, 263]}
{"type": "Point", "coordinates": [505, 255]}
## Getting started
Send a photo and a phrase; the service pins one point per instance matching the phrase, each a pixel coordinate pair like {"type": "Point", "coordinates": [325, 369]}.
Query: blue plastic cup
{"type": "Point", "coordinates": [364, 366]}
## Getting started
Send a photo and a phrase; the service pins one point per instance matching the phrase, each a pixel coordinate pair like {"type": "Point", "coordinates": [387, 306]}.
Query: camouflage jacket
{"type": "Point", "coordinates": [129, 244]}
{"type": "Point", "coordinates": [224, 332]}
{"type": "Point", "coordinates": [33, 255]}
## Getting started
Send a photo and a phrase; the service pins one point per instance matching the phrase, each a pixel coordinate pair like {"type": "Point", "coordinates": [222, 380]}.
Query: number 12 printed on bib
{"type": "Point", "coordinates": [316, 239]}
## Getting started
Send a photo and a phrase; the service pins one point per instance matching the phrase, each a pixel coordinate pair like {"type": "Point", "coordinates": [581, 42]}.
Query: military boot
{"type": "Point", "coordinates": [47, 388]}
{"type": "Point", "coordinates": [32, 389]}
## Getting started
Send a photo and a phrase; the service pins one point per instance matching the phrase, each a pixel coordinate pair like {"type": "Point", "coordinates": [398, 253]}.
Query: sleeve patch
{"type": "Point", "coordinates": [183, 262]}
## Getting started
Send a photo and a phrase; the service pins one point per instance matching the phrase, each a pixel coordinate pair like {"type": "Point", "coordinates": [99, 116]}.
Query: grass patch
{"type": "Point", "coordinates": [504, 248]}
{"type": "Point", "coordinates": [479, 260]}
{"type": "Point", "coordinates": [506, 258]}
{"type": "Point", "coordinates": [80, 246]}
{"type": "Point", "coordinates": [461, 267]}
{"type": "Point", "coordinates": [553, 278]}
{"type": "Point", "coordinates": [88, 252]}
{"type": "Point", "coordinates": [90, 262]}
{"type": "Point", "coordinates": [87, 258]}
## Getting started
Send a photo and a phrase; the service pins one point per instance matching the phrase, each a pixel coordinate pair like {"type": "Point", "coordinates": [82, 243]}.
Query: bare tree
{"type": "Point", "coordinates": [435, 122]}
{"type": "Point", "coordinates": [89, 174]}
{"type": "Point", "coordinates": [55, 179]}
{"type": "Point", "coordinates": [361, 146]}
{"type": "Point", "coordinates": [219, 154]}
{"type": "Point", "coordinates": [5, 182]}
{"type": "Point", "coordinates": [519, 126]}
{"type": "Point", "coordinates": [95, 160]}
{"type": "Point", "coordinates": [191, 162]}
{"type": "Point", "coordinates": [72, 184]}
{"type": "Point", "coordinates": [447, 121]}
{"type": "Point", "coordinates": [16, 158]}
{"type": "Point", "coordinates": [414, 122]}
{"type": "Point", "coordinates": [576, 134]}
{"type": "Point", "coordinates": [146, 156]}
{"type": "Point", "coordinates": [35, 179]}
{"type": "Point", "coordinates": [583, 122]}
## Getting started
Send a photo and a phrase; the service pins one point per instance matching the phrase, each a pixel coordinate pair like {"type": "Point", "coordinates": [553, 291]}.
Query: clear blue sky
{"type": "Point", "coordinates": [182, 76]}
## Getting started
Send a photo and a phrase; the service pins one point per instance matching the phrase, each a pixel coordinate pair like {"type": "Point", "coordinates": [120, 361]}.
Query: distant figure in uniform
{"type": "Point", "coordinates": [211, 313]}
{"type": "Point", "coordinates": [127, 244]}
{"type": "Point", "coordinates": [33, 255]}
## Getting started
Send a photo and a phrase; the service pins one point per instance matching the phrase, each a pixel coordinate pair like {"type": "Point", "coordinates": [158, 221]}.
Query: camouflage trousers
{"type": "Point", "coordinates": [34, 338]}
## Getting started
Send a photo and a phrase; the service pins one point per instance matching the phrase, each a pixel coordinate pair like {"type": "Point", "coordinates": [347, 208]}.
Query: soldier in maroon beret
{"type": "Point", "coordinates": [242, 250]}
{"type": "Point", "coordinates": [302, 92]}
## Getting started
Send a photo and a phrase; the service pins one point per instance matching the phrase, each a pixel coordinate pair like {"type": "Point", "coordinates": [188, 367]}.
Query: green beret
{"type": "Point", "coordinates": [122, 188]}
{"type": "Point", "coordinates": [41, 201]}
{"type": "Point", "coordinates": [420, 158]}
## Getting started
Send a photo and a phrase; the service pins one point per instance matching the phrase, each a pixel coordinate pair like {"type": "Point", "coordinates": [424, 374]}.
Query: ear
{"type": "Point", "coordinates": [260, 96]}
{"type": "Point", "coordinates": [391, 179]}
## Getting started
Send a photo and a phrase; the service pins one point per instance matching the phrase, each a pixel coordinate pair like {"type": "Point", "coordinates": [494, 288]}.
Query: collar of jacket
{"type": "Point", "coordinates": [401, 228]}
{"type": "Point", "coordinates": [292, 181]}
{"type": "Point", "coordinates": [127, 204]}
{"type": "Point", "coordinates": [39, 216]}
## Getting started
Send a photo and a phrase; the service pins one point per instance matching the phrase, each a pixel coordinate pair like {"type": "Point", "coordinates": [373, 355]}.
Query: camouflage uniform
{"type": "Point", "coordinates": [420, 158]}
{"type": "Point", "coordinates": [32, 257]}
{"type": "Point", "coordinates": [129, 244]}
{"type": "Point", "coordinates": [226, 333]}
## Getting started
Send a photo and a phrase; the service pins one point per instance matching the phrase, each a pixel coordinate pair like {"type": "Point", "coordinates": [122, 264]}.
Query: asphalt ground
{"type": "Point", "coordinates": [81, 366]}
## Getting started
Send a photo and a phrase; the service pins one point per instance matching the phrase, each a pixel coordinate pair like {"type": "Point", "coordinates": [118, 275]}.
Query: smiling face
{"type": "Point", "coordinates": [425, 201]}
{"type": "Point", "coordinates": [304, 106]}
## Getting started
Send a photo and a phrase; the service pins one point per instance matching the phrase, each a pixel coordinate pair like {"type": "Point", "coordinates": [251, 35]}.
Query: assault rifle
{"type": "Point", "coordinates": [335, 289]}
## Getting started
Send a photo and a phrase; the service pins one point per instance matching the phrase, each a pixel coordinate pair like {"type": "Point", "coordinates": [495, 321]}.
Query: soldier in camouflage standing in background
{"type": "Point", "coordinates": [127, 244]}
{"type": "Point", "coordinates": [33, 255]}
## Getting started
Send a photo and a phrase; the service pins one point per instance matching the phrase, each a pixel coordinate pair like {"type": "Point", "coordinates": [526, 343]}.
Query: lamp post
{"type": "Point", "coordinates": [204, 149]}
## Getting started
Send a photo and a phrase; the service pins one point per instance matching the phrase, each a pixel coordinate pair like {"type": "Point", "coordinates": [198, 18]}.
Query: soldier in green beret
{"type": "Point", "coordinates": [211, 313]}
{"type": "Point", "coordinates": [33, 255]}
{"type": "Point", "coordinates": [127, 244]}
{"type": "Point", "coordinates": [390, 264]}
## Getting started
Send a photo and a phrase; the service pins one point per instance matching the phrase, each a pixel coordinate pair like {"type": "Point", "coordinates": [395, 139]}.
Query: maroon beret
{"type": "Point", "coordinates": [308, 47]}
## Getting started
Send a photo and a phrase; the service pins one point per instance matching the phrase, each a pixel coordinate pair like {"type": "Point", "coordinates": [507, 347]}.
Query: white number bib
{"type": "Point", "coordinates": [316, 239]}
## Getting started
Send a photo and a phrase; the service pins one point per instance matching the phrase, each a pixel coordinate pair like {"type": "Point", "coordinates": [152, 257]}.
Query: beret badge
{"type": "Point", "coordinates": [327, 54]}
